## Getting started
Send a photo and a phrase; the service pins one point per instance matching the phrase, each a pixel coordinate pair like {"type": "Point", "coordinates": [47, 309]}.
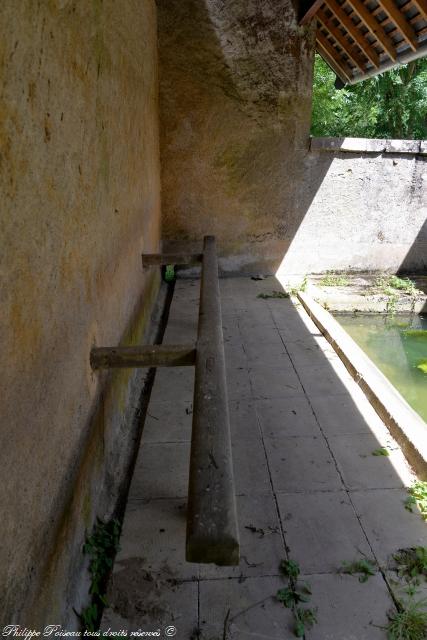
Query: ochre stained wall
{"type": "Point", "coordinates": [79, 181]}
{"type": "Point", "coordinates": [235, 100]}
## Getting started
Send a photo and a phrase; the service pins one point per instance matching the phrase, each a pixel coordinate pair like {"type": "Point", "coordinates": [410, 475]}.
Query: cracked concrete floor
{"type": "Point", "coordinates": [307, 486]}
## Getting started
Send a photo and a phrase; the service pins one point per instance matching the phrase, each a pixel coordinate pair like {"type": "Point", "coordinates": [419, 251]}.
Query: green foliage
{"type": "Point", "coordinates": [294, 594]}
{"type": "Point", "coordinates": [417, 497]}
{"type": "Point", "coordinates": [101, 546]}
{"type": "Point", "coordinates": [409, 623]}
{"type": "Point", "coordinates": [290, 569]}
{"type": "Point", "coordinates": [390, 284]}
{"type": "Point", "coordinates": [382, 451]}
{"type": "Point", "coordinates": [332, 279]}
{"type": "Point", "coordinates": [390, 105]}
{"type": "Point", "coordinates": [363, 567]}
{"type": "Point", "coordinates": [170, 273]}
{"type": "Point", "coordinates": [273, 294]}
{"type": "Point", "coordinates": [411, 562]}
{"type": "Point", "coordinates": [304, 619]}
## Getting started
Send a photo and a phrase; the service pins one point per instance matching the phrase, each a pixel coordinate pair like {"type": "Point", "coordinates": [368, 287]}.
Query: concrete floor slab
{"type": "Point", "coordinates": [388, 525]}
{"type": "Point", "coordinates": [343, 416]}
{"type": "Point", "coordinates": [324, 381]}
{"type": "Point", "coordinates": [361, 469]}
{"type": "Point", "coordinates": [161, 471]}
{"type": "Point", "coordinates": [292, 445]}
{"type": "Point", "coordinates": [168, 421]}
{"type": "Point", "coordinates": [154, 531]}
{"type": "Point", "coordinates": [301, 464]}
{"type": "Point", "coordinates": [266, 354]}
{"type": "Point", "coordinates": [261, 543]}
{"type": "Point", "coordinates": [270, 382]}
{"type": "Point", "coordinates": [251, 473]}
{"type": "Point", "coordinates": [348, 609]}
{"type": "Point", "coordinates": [244, 421]}
{"type": "Point", "coordinates": [286, 417]}
{"type": "Point", "coordinates": [238, 382]}
{"type": "Point", "coordinates": [173, 383]}
{"type": "Point", "coordinates": [324, 533]}
{"type": "Point", "coordinates": [138, 600]}
{"type": "Point", "coordinates": [243, 610]}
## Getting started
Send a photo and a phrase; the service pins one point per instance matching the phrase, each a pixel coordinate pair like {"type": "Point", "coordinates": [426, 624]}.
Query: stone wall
{"type": "Point", "coordinates": [235, 100]}
{"type": "Point", "coordinates": [80, 199]}
{"type": "Point", "coordinates": [368, 210]}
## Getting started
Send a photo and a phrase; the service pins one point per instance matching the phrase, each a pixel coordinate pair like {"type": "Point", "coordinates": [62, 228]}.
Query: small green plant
{"type": "Point", "coordinates": [295, 594]}
{"type": "Point", "coordinates": [411, 562]}
{"type": "Point", "coordinates": [363, 567]}
{"type": "Point", "coordinates": [389, 284]}
{"type": "Point", "coordinates": [332, 279]}
{"type": "Point", "coordinates": [417, 497]}
{"type": "Point", "coordinates": [290, 597]}
{"type": "Point", "coordinates": [273, 294]}
{"type": "Point", "coordinates": [382, 451]}
{"type": "Point", "coordinates": [409, 622]}
{"type": "Point", "coordinates": [101, 546]}
{"type": "Point", "coordinates": [304, 619]}
{"type": "Point", "coordinates": [290, 569]}
{"type": "Point", "coordinates": [170, 273]}
{"type": "Point", "coordinates": [301, 287]}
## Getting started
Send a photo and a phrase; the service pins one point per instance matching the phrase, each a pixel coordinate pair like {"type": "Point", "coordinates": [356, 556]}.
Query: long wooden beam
{"type": "Point", "coordinates": [340, 67]}
{"type": "Point", "coordinates": [212, 531]}
{"type": "Point", "coordinates": [374, 27]}
{"type": "Point", "coordinates": [400, 21]}
{"type": "Point", "coordinates": [143, 356]}
{"type": "Point", "coordinates": [345, 45]}
{"type": "Point", "coordinates": [354, 32]}
{"type": "Point", "coordinates": [311, 12]}
{"type": "Point", "coordinates": [156, 259]}
{"type": "Point", "coordinates": [421, 5]}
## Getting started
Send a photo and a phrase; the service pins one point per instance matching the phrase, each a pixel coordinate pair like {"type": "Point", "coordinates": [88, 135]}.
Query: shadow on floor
{"type": "Point", "coordinates": [307, 486]}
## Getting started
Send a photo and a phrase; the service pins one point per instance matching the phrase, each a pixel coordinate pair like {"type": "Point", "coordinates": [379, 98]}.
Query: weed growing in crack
{"type": "Point", "coordinates": [412, 563]}
{"type": "Point", "coordinates": [332, 279]}
{"type": "Point", "coordinates": [363, 567]}
{"type": "Point", "coordinates": [101, 546]}
{"type": "Point", "coordinates": [273, 294]}
{"type": "Point", "coordinates": [295, 594]}
{"type": "Point", "coordinates": [417, 498]}
{"type": "Point", "coordinates": [409, 622]}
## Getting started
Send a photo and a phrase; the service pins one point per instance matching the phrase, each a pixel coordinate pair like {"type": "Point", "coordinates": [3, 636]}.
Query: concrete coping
{"type": "Point", "coordinates": [405, 425]}
{"type": "Point", "coordinates": [367, 145]}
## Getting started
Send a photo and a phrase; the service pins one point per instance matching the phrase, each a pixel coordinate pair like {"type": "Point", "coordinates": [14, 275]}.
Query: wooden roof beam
{"type": "Point", "coordinates": [340, 67]}
{"type": "Point", "coordinates": [345, 45]}
{"type": "Point", "coordinates": [421, 6]}
{"type": "Point", "coordinates": [311, 12]}
{"type": "Point", "coordinates": [400, 21]}
{"type": "Point", "coordinates": [374, 27]}
{"type": "Point", "coordinates": [354, 32]}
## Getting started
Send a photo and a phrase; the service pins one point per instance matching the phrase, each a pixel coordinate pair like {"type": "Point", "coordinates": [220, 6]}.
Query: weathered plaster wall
{"type": "Point", "coordinates": [368, 211]}
{"type": "Point", "coordinates": [79, 184]}
{"type": "Point", "coordinates": [235, 99]}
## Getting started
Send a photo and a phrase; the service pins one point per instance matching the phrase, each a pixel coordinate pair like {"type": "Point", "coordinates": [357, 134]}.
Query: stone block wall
{"type": "Point", "coordinates": [368, 208]}
{"type": "Point", "coordinates": [80, 185]}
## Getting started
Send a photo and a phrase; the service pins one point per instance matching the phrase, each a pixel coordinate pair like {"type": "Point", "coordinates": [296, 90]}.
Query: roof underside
{"type": "Point", "coordinates": [360, 39]}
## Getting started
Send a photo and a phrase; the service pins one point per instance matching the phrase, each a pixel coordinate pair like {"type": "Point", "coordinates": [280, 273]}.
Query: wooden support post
{"type": "Point", "coordinates": [144, 356]}
{"type": "Point", "coordinates": [212, 531]}
{"type": "Point", "coordinates": [159, 259]}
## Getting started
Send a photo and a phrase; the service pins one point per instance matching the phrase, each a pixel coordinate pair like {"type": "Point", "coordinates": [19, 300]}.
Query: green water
{"type": "Point", "coordinates": [398, 346]}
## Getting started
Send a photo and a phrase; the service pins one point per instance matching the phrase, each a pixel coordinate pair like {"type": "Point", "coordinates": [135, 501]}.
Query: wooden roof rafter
{"type": "Point", "coordinates": [359, 38]}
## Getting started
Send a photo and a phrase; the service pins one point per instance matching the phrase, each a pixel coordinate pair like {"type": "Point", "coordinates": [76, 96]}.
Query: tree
{"type": "Point", "coordinates": [390, 105]}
